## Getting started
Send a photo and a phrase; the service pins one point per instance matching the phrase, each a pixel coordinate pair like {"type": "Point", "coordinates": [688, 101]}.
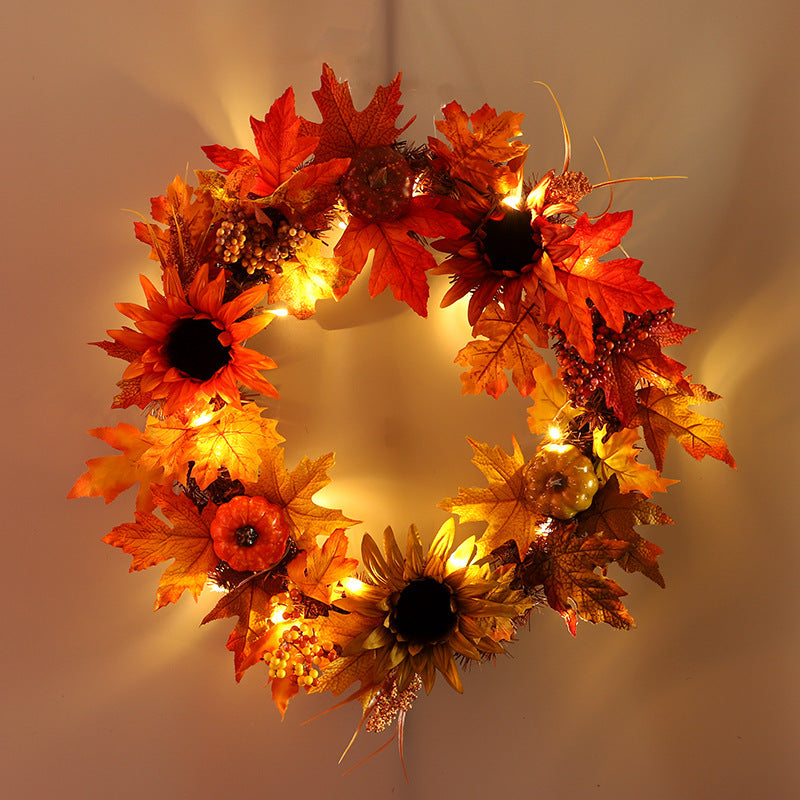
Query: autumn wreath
{"type": "Point", "coordinates": [232, 516]}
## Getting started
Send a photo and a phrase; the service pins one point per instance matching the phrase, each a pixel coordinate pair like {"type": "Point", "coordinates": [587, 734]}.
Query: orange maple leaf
{"type": "Point", "coordinates": [343, 130]}
{"type": "Point", "coordinates": [107, 476]}
{"type": "Point", "coordinates": [564, 565]}
{"type": "Point", "coordinates": [187, 242]}
{"type": "Point", "coordinates": [280, 146]}
{"type": "Point", "coordinates": [502, 504]}
{"type": "Point", "coordinates": [481, 156]}
{"type": "Point", "coordinates": [294, 490]}
{"type": "Point", "coordinates": [613, 515]}
{"type": "Point", "coordinates": [613, 287]}
{"type": "Point", "coordinates": [507, 346]}
{"type": "Point", "coordinates": [644, 362]}
{"type": "Point", "coordinates": [664, 413]}
{"type": "Point", "coordinates": [315, 572]}
{"type": "Point", "coordinates": [399, 261]}
{"type": "Point", "coordinates": [187, 540]}
{"type": "Point", "coordinates": [254, 633]}
{"type": "Point", "coordinates": [617, 456]}
{"type": "Point", "coordinates": [229, 438]}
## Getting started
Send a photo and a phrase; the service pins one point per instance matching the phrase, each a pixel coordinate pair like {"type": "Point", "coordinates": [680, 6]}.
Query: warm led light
{"type": "Point", "coordinates": [277, 614]}
{"type": "Point", "coordinates": [512, 200]}
{"type": "Point", "coordinates": [554, 433]}
{"type": "Point", "coordinates": [342, 224]}
{"type": "Point", "coordinates": [202, 419]}
{"type": "Point", "coordinates": [353, 585]}
{"type": "Point", "coordinates": [279, 312]}
{"type": "Point", "coordinates": [462, 555]}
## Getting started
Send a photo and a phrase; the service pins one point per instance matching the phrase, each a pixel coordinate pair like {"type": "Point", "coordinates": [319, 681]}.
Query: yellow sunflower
{"type": "Point", "coordinates": [420, 611]}
{"type": "Point", "coordinates": [508, 251]}
{"type": "Point", "coordinates": [189, 344]}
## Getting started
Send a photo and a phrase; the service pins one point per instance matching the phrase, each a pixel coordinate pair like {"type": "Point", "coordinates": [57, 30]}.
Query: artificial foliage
{"type": "Point", "coordinates": [218, 507]}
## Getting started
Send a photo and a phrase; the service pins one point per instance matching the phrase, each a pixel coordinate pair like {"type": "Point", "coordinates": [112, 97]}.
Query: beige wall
{"type": "Point", "coordinates": [104, 102]}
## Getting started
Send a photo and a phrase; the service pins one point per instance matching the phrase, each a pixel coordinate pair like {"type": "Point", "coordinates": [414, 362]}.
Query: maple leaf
{"type": "Point", "coordinates": [664, 413]}
{"type": "Point", "coordinates": [343, 130]}
{"type": "Point", "coordinates": [310, 193]}
{"type": "Point", "coordinates": [618, 455]}
{"type": "Point", "coordinates": [400, 261]}
{"type": "Point", "coordinates": [613, 515]}
{"type": "Point", "coordinates": [229, 438]}
{"type": "Point", "coordinates": [254, 633]}
{"type": "Point", "coordinates": [502, 504]}
{"type": "Point", "coordinates": [643, 362]}
{"type": "Point", "coordinates": [316, 571]}
{"type": "Point", "coordinates": [564, 565]}
{"type": "Point", "coordinates": [309, 277]}
{"type": "Point", "coordinates": [107, 476]}
{"type": "Point", "coordinates": [614, 287]}
{"type": "Point", "coordinates": [130, 389]}
{"type": "Point", "coordinates": [294, 490]}
{"type": "Point", "coordinates": [480, 156]}
{"type": "Point", "coordinates": [551, 407]}
{"type": "Point", "coordinates": [187, 540]}
{"type": "Point", "coordinates": [280, 146]}
{"type": "Point", "coordinates": [346, 670]}
{"type": "Point", "coordinates": [507, 345]}
{"type": "Point", "coordinates": [187, 241]}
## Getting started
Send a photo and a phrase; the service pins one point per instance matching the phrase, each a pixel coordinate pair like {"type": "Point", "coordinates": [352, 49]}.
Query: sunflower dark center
{"type": "Point", "coordinates": [423, 611]}
{"type": "Point", "coordinates": [246, 536]}
{"type": "Point", "coordinates": [510, 243]}
{"type": "Point", "coordinates": [193, 347]}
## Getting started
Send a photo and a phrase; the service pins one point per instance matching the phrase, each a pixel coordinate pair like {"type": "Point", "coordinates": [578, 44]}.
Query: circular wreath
{"type": "Point", "coordinates": [233, 516]}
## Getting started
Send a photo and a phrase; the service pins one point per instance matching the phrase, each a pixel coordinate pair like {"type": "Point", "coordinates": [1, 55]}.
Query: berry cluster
{"type": "Point", "coordinates": [582, 378]}
{"type": "Point", "coordinates": [251, 245]}
{"type": "Point", "coordinates": [300, 655]}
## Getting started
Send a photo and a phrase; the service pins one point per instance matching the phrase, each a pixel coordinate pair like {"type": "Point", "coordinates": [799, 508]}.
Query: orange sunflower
{"type": "Point", "coordinates": [188, 348]}
{"type": "Point", "coordinates": [508, 250]}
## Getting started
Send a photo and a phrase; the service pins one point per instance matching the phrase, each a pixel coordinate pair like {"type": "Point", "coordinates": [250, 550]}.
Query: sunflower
{"type": "Point", "coordinates": [508, 250]}
{"type": "Point", "coordinates": [188, 348]}
{"type": "Point", "coordinates": [420, 611]}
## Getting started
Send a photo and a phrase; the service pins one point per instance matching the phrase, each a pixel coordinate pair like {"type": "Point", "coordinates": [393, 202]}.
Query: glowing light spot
{"type": "Point", "coordinates": [279, 312]}
{"type": "Point", "coordinates": [462, 555]}
{"type": "Point", "coordinates": [202, 419]}
{"type": "Point", "coordinates": [277, 614]}
{"type": "Point", "coordinates": [554, 432]}
{"type": "Point", "coordinates": [512, 200]}
{"type": "Point", "coordinates": [353, 585]}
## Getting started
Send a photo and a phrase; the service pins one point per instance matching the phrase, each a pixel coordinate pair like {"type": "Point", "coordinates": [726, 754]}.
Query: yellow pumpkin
{"type": "Point", "coordinates": [560, 481]}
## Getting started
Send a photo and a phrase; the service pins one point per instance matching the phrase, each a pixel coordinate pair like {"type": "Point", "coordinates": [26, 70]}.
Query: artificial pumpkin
{"type": "Point", "coordinates": [379, 185]}
{"type": "Point", "coordinates": [250, 533]}
{"type": "Point", "coordinates": [560, 481]}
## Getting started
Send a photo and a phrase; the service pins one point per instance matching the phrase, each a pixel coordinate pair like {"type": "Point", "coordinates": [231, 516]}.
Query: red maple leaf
{"type": "Point", "coordinates": [343, 130]}
{"type": "Point", "coordinates": [280, 145]}
{"type": "Point", "coordinates": [613, 287]}
{"type": "Point", "coordinates": [400, 261]}
{"type": "Point", "coordinates": [643, 362]}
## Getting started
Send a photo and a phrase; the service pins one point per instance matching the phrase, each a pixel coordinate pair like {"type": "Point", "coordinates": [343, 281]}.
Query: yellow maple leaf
{"type": "Point", "coordinates": [618, 456]}
{"type": "Point", "coordinates": [310, 277]}
{"type": "Point", "coordinates": [229, 438]}
{"type": "Point", "coordinates": [551, 407]}
{"type": "Point", "coordinates": [294, 490]}
{"type": "Point", "coordinates": [502, 504]}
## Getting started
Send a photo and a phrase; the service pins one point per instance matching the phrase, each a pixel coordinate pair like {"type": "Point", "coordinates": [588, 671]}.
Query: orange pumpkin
{"type": "Point", "coordinates": [250, 533]}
